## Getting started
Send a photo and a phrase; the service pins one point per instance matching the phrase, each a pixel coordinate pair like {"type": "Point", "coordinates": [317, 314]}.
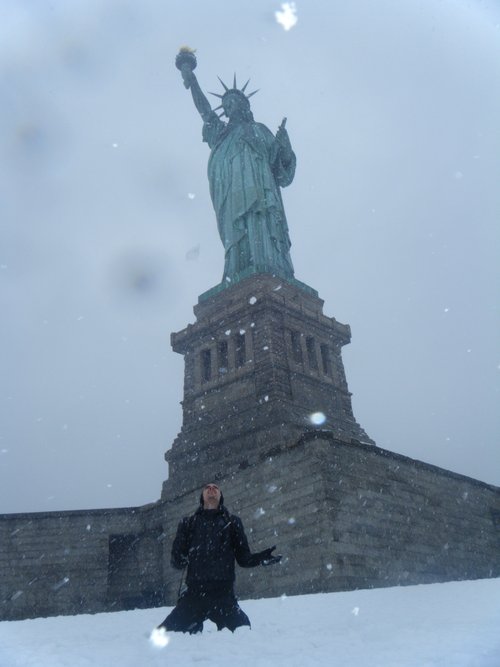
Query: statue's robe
{"type": "Point", "coordinates": [246, 170]}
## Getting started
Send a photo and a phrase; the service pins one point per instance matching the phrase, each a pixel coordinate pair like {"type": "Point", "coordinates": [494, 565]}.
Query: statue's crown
{"type": "Point", "coordinates": [240, 92]}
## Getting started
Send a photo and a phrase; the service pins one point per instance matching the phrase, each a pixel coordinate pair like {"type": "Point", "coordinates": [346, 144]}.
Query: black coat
{"type": "Point", "coordinates": [209, 542]}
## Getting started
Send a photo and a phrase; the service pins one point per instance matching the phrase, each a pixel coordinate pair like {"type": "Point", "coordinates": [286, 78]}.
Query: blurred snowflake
{"type": "Point", "coordinates": [287, 17]}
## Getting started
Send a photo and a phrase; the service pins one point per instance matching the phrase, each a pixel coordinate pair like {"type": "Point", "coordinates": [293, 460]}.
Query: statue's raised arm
{"type": "Point", "coordinates": [247, 167]}
{"type": "Point", "coordinates": [186, 62]}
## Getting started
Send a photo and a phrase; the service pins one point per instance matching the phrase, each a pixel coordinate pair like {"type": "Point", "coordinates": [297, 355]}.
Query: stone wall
{"type": "Point", "coordinates": [83, 561]}
{"type": "Point", "coordinates": [349, 516]}
{"type": "Point", "coordinates": [344, 516]}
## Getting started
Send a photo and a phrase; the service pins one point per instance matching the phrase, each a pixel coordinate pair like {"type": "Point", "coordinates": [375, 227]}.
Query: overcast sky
{"type": "Point", "coordinates": [108, 235]}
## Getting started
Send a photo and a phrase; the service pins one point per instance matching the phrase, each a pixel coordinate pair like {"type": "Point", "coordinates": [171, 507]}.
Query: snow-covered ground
{"type": "Point", "coordinates": [450, 625]}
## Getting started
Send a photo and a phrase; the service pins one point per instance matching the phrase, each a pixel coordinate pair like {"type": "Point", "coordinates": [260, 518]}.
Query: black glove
{"type": "Point", "coordinates": [179, 563]}
{"type": "Point", "coordinates": [267, 557]}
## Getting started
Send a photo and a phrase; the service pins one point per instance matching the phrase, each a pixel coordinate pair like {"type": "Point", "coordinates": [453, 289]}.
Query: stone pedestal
{"type": "Point", "coordinates": [261, 359]}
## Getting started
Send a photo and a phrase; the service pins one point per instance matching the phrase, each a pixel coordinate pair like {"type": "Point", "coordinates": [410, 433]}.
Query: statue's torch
{"type": "Point", "coordinates": [186, 63]}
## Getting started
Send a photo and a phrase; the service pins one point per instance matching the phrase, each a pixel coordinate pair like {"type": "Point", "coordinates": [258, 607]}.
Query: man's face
{"type": "Point", "coordinates": [211, 495]}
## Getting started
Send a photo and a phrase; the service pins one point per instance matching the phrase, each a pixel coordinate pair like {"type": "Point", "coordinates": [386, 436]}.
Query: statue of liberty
{"type": "Point", "coordinates": [246, 168]}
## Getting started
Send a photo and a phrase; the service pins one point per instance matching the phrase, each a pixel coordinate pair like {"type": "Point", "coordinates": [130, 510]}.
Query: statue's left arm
{"type": "Point", "coordinates": [283, 160]}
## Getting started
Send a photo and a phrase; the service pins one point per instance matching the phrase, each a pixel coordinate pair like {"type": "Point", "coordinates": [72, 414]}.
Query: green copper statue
{"type": "Point", "coordinates": [246, 169]}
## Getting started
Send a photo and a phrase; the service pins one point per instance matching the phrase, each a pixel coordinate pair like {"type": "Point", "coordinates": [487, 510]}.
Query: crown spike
{"type": "Point", "coordinates": [250, 95]}
{"type": "Point", "coordinates": [219, 107]}
{"type": "Point", "coordinates": [244, 87]}
{"type": "Point", "coordinates": [216, 95]}
{"type": "Point", "coordinates": [235, 85]}
{"type": "Point", "coordinates": [224, 85]}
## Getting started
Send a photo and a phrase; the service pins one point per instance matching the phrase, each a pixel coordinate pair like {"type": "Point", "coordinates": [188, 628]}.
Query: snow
{"type": "Point", "coordinates": [440, 625]}
{"type": "Point", "coordinates": [287, 18]}
{"type": "Point", "coordinates": [317, 418]}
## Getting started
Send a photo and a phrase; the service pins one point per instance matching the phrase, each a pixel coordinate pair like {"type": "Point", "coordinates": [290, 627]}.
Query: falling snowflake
{"type": "Point", "coordinates": [159, 638]}
{"type": "Point", "coordinates": [193, 253]}
{"type": "Point", "coordinates": [60, 584]}
{"type": "Point", "coordinates": [287, 17]}
{"type": "Point", "coordinates": [317, 418]}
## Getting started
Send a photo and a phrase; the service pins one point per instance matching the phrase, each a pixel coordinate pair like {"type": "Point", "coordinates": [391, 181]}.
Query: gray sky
{"type": "Point", "coordinates": [107, 233]}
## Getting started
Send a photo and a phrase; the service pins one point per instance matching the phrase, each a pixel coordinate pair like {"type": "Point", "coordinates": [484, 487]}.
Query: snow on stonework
{"type": "Point", "coordinates": [440, 625]}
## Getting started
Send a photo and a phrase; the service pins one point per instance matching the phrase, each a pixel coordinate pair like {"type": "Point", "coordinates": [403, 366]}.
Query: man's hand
{"type": "Point", "coordinates": [179, 562]}
{"type": "Point", "coordinates": [268, 558]}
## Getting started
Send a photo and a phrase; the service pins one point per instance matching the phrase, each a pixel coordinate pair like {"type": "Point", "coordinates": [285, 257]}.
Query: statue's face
{"type": "Point", "coordinates": [233, 105]}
